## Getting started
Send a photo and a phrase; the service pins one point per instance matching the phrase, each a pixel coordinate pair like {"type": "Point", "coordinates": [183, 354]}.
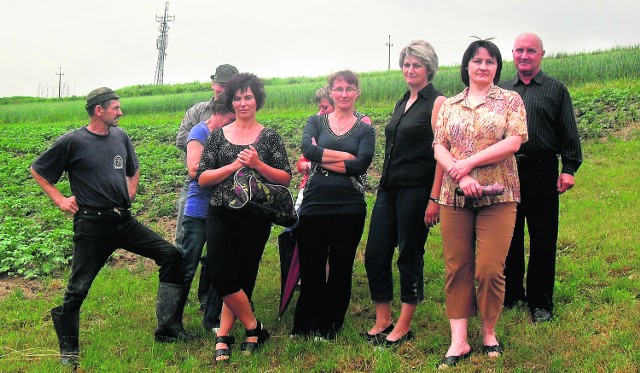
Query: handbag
{"type": "Point", "coordinates": [270, 201]}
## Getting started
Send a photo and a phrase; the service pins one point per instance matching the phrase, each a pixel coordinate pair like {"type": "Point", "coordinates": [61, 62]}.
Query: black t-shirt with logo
{"type": "Point", "coordinates": [97, 166]}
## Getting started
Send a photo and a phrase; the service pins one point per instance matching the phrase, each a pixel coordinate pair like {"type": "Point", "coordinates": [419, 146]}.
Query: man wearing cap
{"type": "Point", "coordinates": [200, 112]}
{"type": "Point", "coordinates": [102, 166]}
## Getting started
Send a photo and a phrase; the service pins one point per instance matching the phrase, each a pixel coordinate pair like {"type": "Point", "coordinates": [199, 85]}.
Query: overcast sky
{"type": "Point", "coordinates": [113, 43]}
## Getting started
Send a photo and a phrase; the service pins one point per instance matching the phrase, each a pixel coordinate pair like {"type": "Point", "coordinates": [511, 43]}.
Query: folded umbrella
{"type": "Point", "coordinates": [289, 268]}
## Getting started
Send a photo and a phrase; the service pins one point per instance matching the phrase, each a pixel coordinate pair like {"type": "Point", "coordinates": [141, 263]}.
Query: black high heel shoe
{"type": "Point", "coordinates": [372, 338]}
{"type": "Point", "coordinates": [260, 332]}
{"type": "Point", "coordinates": [387, 343]}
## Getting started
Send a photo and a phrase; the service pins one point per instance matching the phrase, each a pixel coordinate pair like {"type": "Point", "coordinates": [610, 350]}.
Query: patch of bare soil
{"type": "Point", "coordinates": [29, 288]}
{"type": "Point", "coordinates": [627, 133]}
{"type": "Point", "coordinates": [124, 259]}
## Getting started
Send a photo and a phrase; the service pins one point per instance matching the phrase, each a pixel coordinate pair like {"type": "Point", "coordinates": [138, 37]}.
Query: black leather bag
{"type": "Point", "coordinates": [270, 201]}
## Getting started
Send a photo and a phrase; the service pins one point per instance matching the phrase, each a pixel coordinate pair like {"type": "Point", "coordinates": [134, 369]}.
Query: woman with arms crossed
{"type": "Point", "coordinates": [333, 209]}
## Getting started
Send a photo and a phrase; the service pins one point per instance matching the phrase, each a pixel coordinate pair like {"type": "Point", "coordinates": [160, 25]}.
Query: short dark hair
{"type": "Point", "coordinates": [347, 75]}
{"type": "Point", "coordinates": [91, 108]}
{"type": "Point", "coordinates": [494, 52]}
{"type": "Point", "coordinates": [241, 82]}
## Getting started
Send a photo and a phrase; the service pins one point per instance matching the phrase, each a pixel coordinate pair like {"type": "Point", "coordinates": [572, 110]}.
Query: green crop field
{"type": "Point", "coordinates": [598, 285]}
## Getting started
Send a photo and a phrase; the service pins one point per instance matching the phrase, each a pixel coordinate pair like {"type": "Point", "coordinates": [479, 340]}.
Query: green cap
{"type": "Point", "coordinates": [224, 73]}
{"type": "Point", "coordinates": [99, 95]}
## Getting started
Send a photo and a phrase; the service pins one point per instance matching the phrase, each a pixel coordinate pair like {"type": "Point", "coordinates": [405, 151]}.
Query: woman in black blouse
{"type": "Point", "coordinates": [406, 205]}
{"type": "Point", "coordinates": [340, 146]}
{"type": "Point", "coordinates": [236, 238]}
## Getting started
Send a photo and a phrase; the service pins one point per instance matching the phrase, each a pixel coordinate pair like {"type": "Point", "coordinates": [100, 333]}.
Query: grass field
{"type": "Point", "coordinates": [597, 316]}
{"type": "Point", "coordinates": [595, 328]}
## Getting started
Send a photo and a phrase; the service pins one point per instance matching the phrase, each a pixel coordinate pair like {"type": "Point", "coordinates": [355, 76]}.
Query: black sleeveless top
{"type": "Point", "coordinates": [408, 155]}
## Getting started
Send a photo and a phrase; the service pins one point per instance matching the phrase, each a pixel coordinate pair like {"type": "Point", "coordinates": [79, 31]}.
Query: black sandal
{"type": "Point", "coordinates": [260, 332]}
{"type": "Point", "coordinates": [498, 349]}
{"type": "Point", "coordinates": [229, 341]}
{"type": "Point", "coordinates": [452, 361]}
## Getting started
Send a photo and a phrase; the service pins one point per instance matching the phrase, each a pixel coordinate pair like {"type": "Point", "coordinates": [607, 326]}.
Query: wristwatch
{"type": "Point", "coordinates": [434, 199]}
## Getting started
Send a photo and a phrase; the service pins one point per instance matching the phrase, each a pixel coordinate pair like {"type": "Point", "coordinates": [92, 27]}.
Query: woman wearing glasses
{"type": "Point", "coordinates": [340, 146]}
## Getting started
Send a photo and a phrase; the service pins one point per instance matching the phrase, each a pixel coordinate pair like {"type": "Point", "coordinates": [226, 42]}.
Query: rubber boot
{"type": "Point", "coordinates": [67, 326]}
{"type": "Point", "coordinates": [169, 310]}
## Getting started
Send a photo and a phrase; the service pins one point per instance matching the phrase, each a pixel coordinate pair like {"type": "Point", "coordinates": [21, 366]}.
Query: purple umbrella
{"type": "Point", "coordinates": [289, 268]}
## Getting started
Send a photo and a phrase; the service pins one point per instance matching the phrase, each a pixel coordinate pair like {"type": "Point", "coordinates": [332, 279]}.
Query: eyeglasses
{"type": "Point", "coordinates": [341, 90]}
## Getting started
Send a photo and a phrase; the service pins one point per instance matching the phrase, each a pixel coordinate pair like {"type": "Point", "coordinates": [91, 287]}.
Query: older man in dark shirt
{"type": "Point", "coordinates": [103, 172]}
{"type": "Point", "coordinates": [552, 132]}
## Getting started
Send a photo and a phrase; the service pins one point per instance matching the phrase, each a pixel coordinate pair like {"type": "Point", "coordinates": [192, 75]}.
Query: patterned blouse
{"type": "Point", "coordinates": [466, 130]}
{"type": "Point", "coordinates": [218, 152]}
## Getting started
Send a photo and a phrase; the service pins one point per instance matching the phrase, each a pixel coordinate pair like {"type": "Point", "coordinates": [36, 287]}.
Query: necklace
{"type": "Point", "coordinates": [339, 130]}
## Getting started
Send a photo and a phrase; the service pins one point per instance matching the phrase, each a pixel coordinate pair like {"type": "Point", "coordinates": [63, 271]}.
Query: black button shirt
{"type": "Point", "coordinates": [408, 158]}
{"type": "Point", "coordinates": [550, 120]}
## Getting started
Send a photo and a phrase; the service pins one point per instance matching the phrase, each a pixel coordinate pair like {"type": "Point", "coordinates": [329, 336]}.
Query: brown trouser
{"type": "Point", "coordinates": [476, 242]}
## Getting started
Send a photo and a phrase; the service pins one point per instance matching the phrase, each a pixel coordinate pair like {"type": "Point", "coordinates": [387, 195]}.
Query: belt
{"type": "Point", "coordinates": [118, 210]}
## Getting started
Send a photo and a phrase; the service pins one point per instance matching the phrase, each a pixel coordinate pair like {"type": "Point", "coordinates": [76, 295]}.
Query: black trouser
{"type": "Point", "coordinates": [397, 220]}
{"type": "Point", "coordinates": [323, 302]}
{"type": "Point", "coordinates": [97, 234]}
{"type": "Point", "coordinates": [539, 209]}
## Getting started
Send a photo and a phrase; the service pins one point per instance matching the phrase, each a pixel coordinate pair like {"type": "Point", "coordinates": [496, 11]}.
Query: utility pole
{"type": "Point", "coordinates": [60, 74]}
{"type": "Point", "coordinates": [389, 45]}
{"type": "Point", "coordinates": [162, 42]}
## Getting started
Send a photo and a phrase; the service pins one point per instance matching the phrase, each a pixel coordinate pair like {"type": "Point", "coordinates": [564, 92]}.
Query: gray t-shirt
{"type": "Point", "coordinates": [97, 166]}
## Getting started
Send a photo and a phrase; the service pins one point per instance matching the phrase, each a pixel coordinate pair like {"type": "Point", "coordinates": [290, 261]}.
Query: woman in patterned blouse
{"type": "Point", "coordinates": [236, 238]}
{"type": "Point", "coordinates": [477, 133]}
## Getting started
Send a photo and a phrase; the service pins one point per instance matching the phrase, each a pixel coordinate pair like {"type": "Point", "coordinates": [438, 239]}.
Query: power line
{"type": "Point", "coordinates": [60, 74]}
{"type": "Point", "coordinates": [389, 45]}
{"type": "Point", "coordinates": [162, 42]}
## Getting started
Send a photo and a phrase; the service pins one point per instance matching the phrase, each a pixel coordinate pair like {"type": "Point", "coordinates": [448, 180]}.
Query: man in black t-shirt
{"type": "Point", "coordinates": [103, 172]}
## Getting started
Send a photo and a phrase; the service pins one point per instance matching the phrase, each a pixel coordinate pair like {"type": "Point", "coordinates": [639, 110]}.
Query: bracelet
{"type": "Point", "coordinates": [434, 199]}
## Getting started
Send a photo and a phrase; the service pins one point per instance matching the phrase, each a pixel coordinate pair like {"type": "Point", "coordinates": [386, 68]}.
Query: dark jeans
{"type": "Point", "coordinates": [182, 200]}
{"type": "Point", "coordinates": [195, 237]}
{"type": "Point", "coordinates": [397, 220]}
{"type": "Point", "coordinates": [323, 302]}
{"type": "Point", "coordinates": [240, 238]}
{"type": "Point", "coordinates": [539, 209]}
{"type": "Point", "coordinates": [203, 287]}
{"type": "Point", "coordinates": [98, 234]}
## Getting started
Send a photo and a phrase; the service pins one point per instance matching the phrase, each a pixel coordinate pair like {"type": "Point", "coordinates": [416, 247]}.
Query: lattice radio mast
{"type": "Point", "coordinates": [162, 42]}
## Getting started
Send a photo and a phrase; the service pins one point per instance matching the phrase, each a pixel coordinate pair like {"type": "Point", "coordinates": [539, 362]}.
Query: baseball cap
{"type": "Point", "coordinates": [99, 95]}
{"type": "Point", "coordinates": [224, 73]}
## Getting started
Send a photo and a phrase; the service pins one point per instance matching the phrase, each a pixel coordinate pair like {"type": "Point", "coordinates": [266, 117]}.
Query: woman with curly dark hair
{"type": "Point", "coordinates": [236, 238]}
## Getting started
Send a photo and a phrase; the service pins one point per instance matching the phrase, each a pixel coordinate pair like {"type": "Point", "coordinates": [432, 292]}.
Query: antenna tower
{"type": "Point", "coordinates": [162, 42]}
